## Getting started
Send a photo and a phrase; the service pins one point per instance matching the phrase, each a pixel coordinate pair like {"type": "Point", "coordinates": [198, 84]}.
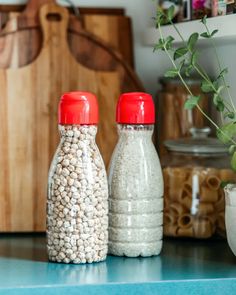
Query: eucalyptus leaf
{"type": "Point", "coordinates": [216, 99]}
{"type": "Point", "coordinates": [222, 73]}
{"type": "Point", "coordinates": [181, 65]}
{"type": "Point", "coordinates": [160, 18]}
{"type": "Point", "coordinates": [230, 115]}
{"type": "Point", "coordinates": [220, 106]}
{"type": "Point", "coordinates": [192, 41]}
{"type": "Point", "coordinates": [206, 86]}
{"type": "Point", "coordinates": [221, 88]}
{"type": "Point", "coordinates": [194, 58]}
{"type": "Point", "coordinates": [232, 149]}
{"type": "Point", "coordinates": [170, 12]}
{"type": "Point", "coordinates": [226, 132]}
{"type": "Point", "coordinates": [157, 47]}
{"type": "Point", "coordinates": [233, 161]}
{"type": "Point", "coordinates": [218, 102]}
{"type": "Point", "coordinates": [204, 20]}
{"type": "Point", "coordinates": [169, 39]}
{"type": "Point", "coordinates": [188, 70]}
{"type": "Point", "coordinates": [192, 102]}
{"type": "Point", "coordinates": [215, 84]}
{"type": "Point", "coordinates": [205, 35]}
{"type": "Point", "coordinates": [180, 52]}
{"type": "Point", "coordinates": [214, 32]}
{"type": "Point", "coordinates": [172, 73]}
{"type": "Point", "coordinates": [168, 42]}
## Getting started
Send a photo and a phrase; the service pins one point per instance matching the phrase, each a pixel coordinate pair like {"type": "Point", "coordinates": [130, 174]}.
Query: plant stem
{"type": "Point", "coordinates": [182, 79]}
{"type": "Point", "coordinates": [177, 30]}
{"type": "Point", "coordinates": [201, 71]}
{"type": "Point", "coordinates": [212, 85]}
{"type": "Point", "coordinates": [188, 89]}
{"type": "Point", "coordinates": [220, 68]}
{"type": "Point", "coordinates": [205, 73]}
{"type": "Point", "coordinates": [221, 118]}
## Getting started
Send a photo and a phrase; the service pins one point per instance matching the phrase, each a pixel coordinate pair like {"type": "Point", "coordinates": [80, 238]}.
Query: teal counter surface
{"type": "Point", "coordinates": [184, 267]}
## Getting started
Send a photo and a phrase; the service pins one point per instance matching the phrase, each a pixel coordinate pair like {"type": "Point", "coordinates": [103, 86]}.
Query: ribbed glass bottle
{"type": "Point", "coordinates": [135, 194]}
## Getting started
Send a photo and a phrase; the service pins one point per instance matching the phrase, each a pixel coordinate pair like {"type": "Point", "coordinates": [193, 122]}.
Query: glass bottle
{"type": "Point", "coordinates": [77, 204]}
{"type": "Point", "coordinates": [135, 181]}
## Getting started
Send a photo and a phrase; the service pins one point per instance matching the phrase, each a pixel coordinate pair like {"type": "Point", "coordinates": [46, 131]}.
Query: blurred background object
{"type": "Point", "coordinates": [107, 45]}
{"type": "Point", "coordinates": [41, 58]}
{"type": "Point", "coordinates": [173, 121]}
{"type": "Point", "coordinates": [193, 172]}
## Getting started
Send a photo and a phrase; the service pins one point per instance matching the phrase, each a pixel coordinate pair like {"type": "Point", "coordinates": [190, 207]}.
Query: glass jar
{"type": "Point", "coordinates": [135, 182]}
{"type": "Point", "coordinates": [230, 215]}
{"type": "Point", "coordinates": [193, 172]}
{"type": "Point", "coordinates": [77, 204]}
{"type": "Point", "coordinates": [174, 121]}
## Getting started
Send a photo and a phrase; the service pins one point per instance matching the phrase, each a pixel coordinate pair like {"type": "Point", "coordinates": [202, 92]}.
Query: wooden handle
{"type": "Point", "coordinates": [54, 22]}
{"type": "Point", "coordinates": [33, 6]}
{"type": "Point", "coordinates": [28, 18]}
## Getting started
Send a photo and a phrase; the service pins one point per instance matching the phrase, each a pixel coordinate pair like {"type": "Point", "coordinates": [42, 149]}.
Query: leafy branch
{"type": "Point", "coordinates": [209, 35]}
{"type": "Point", "coordinates": [185, 60]}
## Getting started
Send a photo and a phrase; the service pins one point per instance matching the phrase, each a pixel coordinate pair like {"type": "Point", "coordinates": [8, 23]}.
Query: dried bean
{"type": "Point", "coordinates": [75, 205]}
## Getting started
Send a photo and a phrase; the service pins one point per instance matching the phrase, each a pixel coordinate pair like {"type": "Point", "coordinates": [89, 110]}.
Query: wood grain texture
{"type": "Point", "coordinates": [83, 10]}
{"type": "Point", "coordinates": [5, 201]}
{"type": "Point", "coordinates": [110, 25]}
{"type": "Point", "coordinates": [114, 30]}
{"type": "Point", "coordinates": [29, 99]}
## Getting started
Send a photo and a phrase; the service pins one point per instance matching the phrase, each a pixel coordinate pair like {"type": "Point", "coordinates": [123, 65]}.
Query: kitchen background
{"type": "Point", "coordinates": [195, 212]}
{"type": "Point", "coordinates": [107, 76]}
{"type": "Point", "coordinates": [151, 66]}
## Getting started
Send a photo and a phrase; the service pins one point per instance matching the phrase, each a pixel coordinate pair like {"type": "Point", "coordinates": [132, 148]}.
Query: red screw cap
{"type": "Point", "coordinates": [135, 108]}
{"type": "Point", "coordinates": [78, 108]}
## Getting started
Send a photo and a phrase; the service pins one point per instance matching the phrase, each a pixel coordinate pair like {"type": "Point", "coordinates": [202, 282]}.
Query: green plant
{"type": "Point", "coordinates": [185, 61]}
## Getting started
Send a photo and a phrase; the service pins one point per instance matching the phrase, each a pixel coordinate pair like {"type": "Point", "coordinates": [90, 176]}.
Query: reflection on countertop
{"type": "Point", "coordinates": [24, 263]}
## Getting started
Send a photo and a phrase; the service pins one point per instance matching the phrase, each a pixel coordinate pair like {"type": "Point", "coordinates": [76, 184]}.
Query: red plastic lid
{"type": "Point", "coordinates": [78, 108]}
{"type": "Point", "coordinates": [135, 108]}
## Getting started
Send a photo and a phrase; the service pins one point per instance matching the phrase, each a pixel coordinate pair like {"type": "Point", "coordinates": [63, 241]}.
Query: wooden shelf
{"type": "Point", "coordinates": [225, 24]}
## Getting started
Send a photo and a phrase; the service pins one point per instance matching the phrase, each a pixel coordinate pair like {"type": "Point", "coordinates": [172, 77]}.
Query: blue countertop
{"type": "Point", "coordinates": [184, 267]}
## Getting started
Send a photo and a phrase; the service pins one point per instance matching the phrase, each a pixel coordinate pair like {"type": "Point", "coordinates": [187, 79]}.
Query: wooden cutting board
{"type": "Point", "coordinates": [115, 30]}
{"type": "Point", "coordinates": [29, 99]}
{"type": "Point", "coordinates": [21, 40]}
{"type": "Point", "coordinates": [109, 24]}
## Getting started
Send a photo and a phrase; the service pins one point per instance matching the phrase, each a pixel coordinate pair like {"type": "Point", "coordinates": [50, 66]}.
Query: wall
{"type": "Point", "coordinates": [228, 59]}
{"type": "Point", "coordinates": [151, 65]}
{"type": "Point", "coordinates": [141, 12]}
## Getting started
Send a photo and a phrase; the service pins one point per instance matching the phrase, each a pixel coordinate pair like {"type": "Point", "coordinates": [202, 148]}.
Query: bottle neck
{"type": "Point", "coordinates": [78, 132]}
{"type": "Point", "coordinates": [135, 131]}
